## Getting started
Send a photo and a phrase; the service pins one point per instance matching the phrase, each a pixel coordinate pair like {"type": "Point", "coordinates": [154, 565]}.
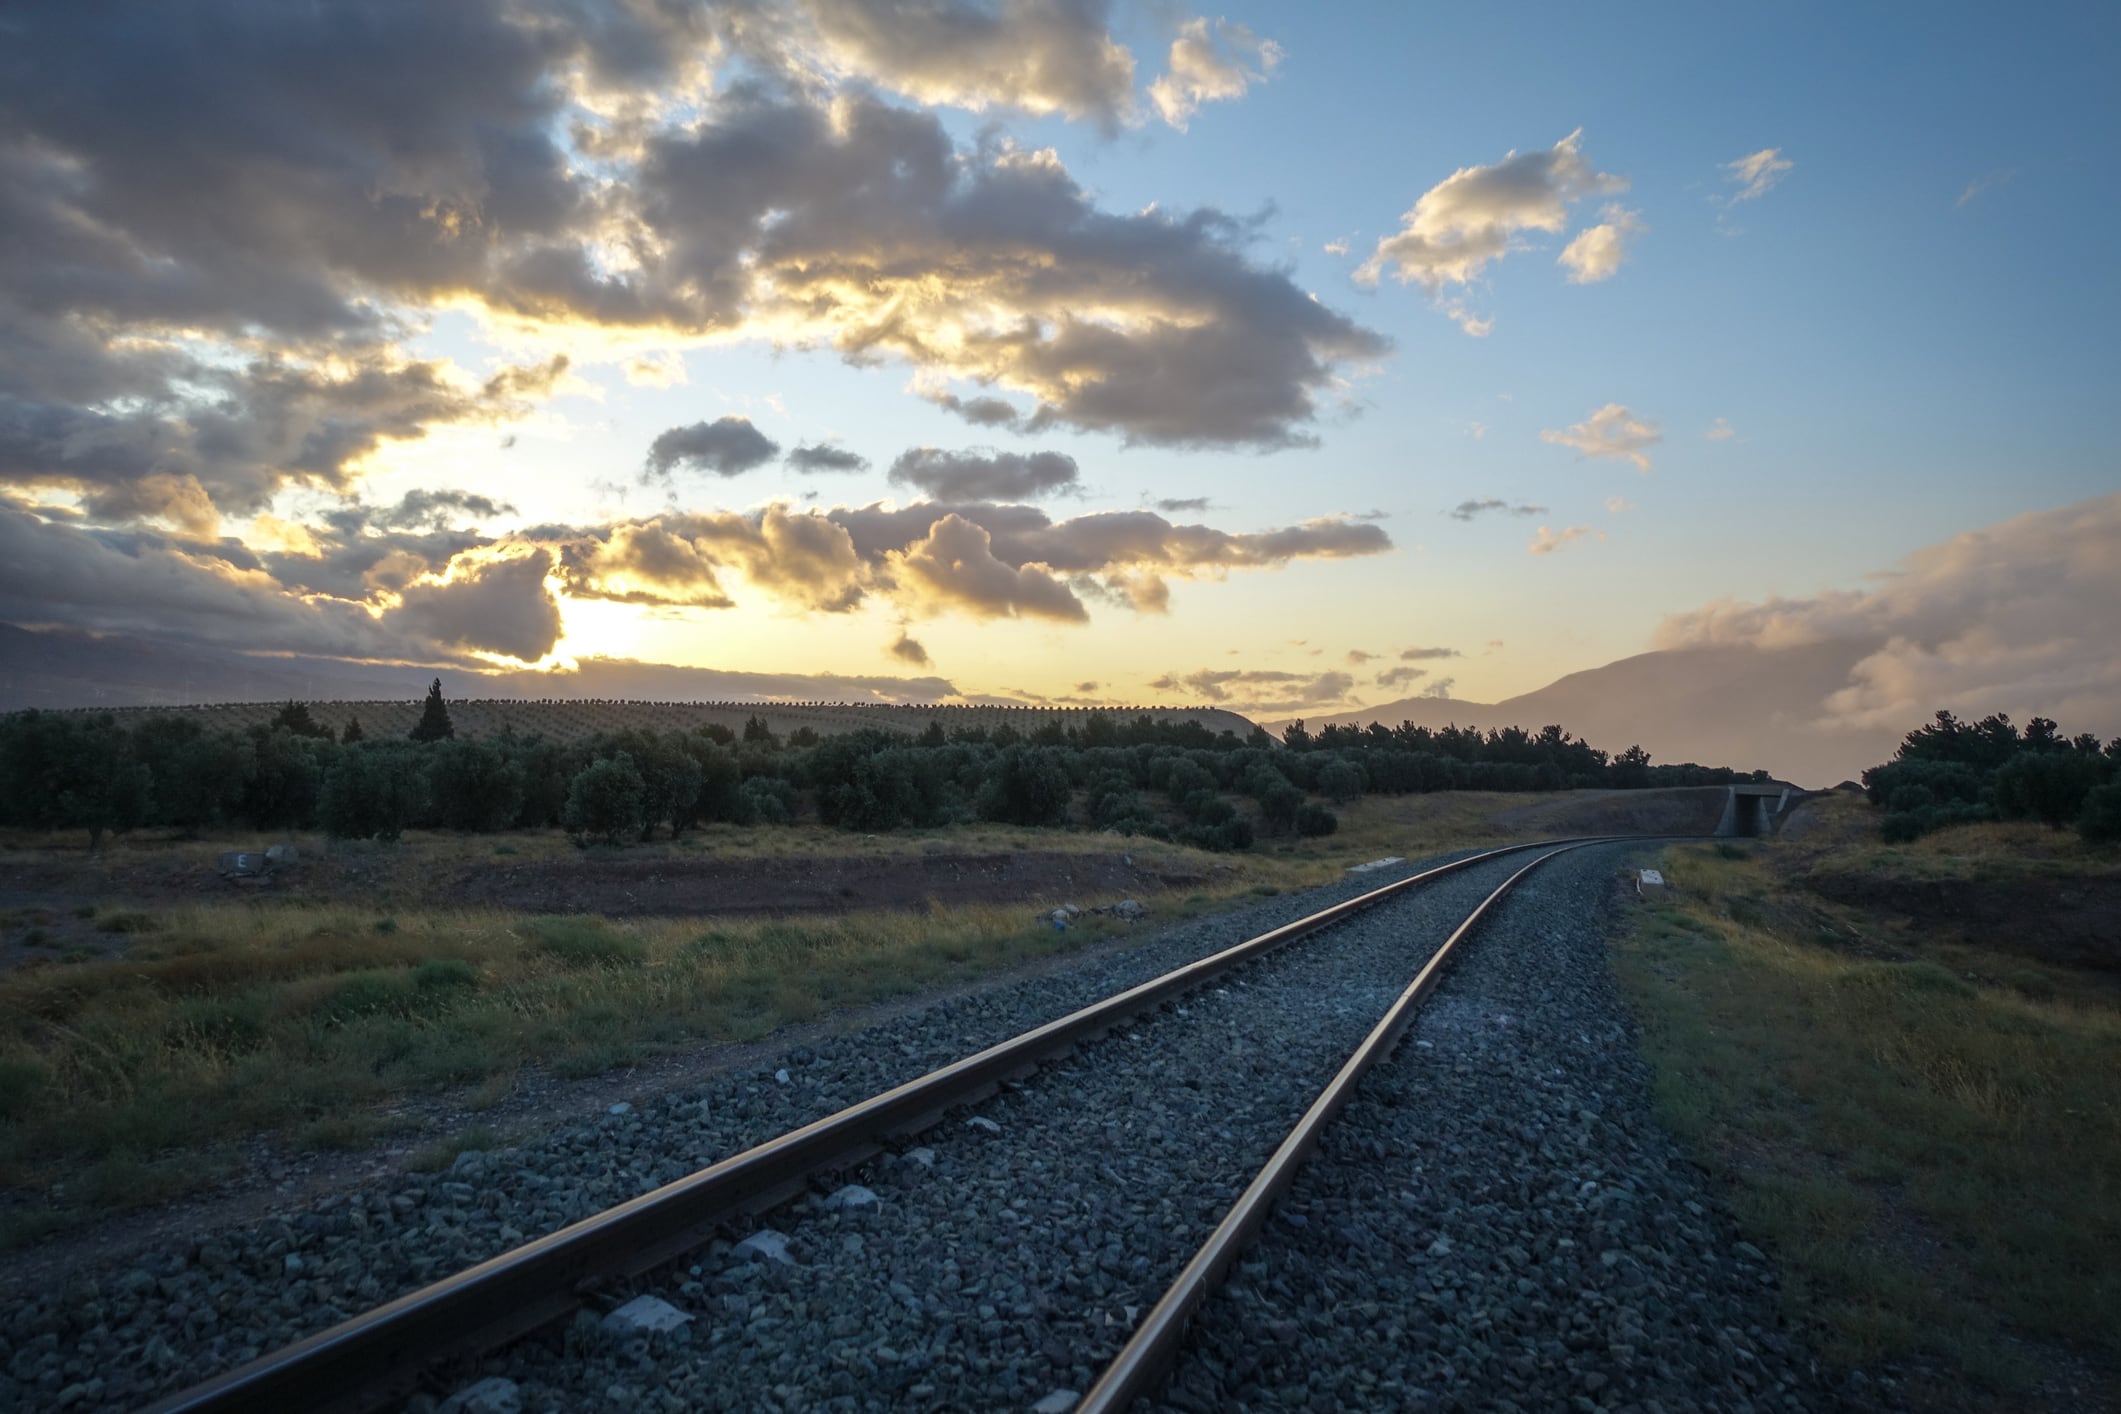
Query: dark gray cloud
{"type": "Point", "coordinates": [1423, 655]}
{"type": "Point", "coordinates": [980, 412]}
{"type": "Point", "coordinates": [1400, 677]}
{"type": "Point", "coordinates": [1467, 510]}
{"type": "Point", "coordinates": [908, 649]}
{"type": "Point", "coordinates": [823, 457]}
{"type": "Point", "coordinates": [727, 446]}
{"type": "Point", "coordinates": [1189, 505]}
{"type": "Point", "coordinates": [495, 606]}
{"type": "Point", "coordinates": [985, 474]}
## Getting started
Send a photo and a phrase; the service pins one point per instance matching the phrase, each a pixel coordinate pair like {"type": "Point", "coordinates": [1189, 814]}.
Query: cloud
{"type": "Point", "coordinates": [1086, 687]}
{"type": "Point", "coordinates": [1721, 431]}
{"type": "Point", "coordinates": [1612, 431]}
{"type": "Point", "coordinates": [581, 177]}
{"type": "Point", "coordinates": [1549, 540]}
{"type": "Point", "coordinates": [908, 649]}
{"type": "Point", "coordinates": [1467, 510]}
{"type": "Point", "coordinates": [1440, 689]}
{"type": "Point", "coordinates": [954, 567]}
{"type": "Point", "coordinates": [1756, 174]}
{"type": "Point", "coordinates": [980, 412]}
{"type": "Point", "coordinates": [1357, 657]}
{"type": "Point", "coordinates": [498, 606]}
{"type": "Point", "coordinates": [823, 457]}
{"type": "Point", "coordinates": [865, 228]}
{"type": "Point", "coordinates": [1469, 219]}
{"type": "Point", "coordinates": [1260, 689]}
{"type": "Point", "coordinates": [2021, 617]}
{"type": "Point", "coordinates": [660, 368]}
{"type": "Point", "coordinates": [1597, 251]}
{"type": "Point", "coordinates": [418, 510]}
{"type": "Point", "coordinates": [1979, 185]}
{"type": "Point", "coordinates": [1424, 655]}
{"type": "Point", "coordinates": [1038, 56]}
{"type": "Point", "coordinates": [727, 446]}
{"type": "Point", "coordinates": [1211, 62]}
{"type": "Point", "coordinates": [1185, 505]}
{"type": "Point", "coordinates": [985, 474]}
{"type": "Point", "coordinates": [1618, 504]}
{"type": "Point", "coordinates": [1400, 677]}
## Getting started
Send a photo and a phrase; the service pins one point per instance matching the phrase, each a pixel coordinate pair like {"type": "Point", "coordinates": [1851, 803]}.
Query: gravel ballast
{"type": "Point", "coordinates": [1011, 1260]}
{"type": "Point", "coordinates": [1496, 1221]}
{"type": "Point", "coordinates": [115, 1340]}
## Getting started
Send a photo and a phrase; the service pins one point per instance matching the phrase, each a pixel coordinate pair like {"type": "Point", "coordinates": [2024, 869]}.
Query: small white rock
{"type": "Point", "coordinates": [983, 1124]}
{"type": "Point", "coordinates": [854, 1199]}
{"type": "Point", "coordinates": [1058, 1402]}
{"type": "Point", "coordinates": [765, 1245]}
{"type": "Point", "coordinates": [646, 1315]}
{"type": "Point", "coordinates": [492, 1395]}
{"type": "Point", "coordinates": [922, 1157]}
{"type": "Point", "coordinates": [621, 1108]}
{"type": "Point", "coordinates": [780, 1077]}
{"type": "Point", "coordinates": [1441, 1247]}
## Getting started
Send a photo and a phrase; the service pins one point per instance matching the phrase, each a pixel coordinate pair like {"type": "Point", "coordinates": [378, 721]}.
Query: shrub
{"type": "Point", "coordinates": [606, 801]}
{"type": "Point", "coordinates": [1313, 821]}
{"type": "Point", "coordinates": [1340, 782]}
{"type": "Point", "coordinates": [2100, 820]}
{"type": "Point", "coordinates": [373, 792]}
{"type": "Point", "coordinates": [2048, 786]}
{"type": "Point", "coordinates": [474, 786]}
{"type": "Point", "coordinates": [1027, 785]}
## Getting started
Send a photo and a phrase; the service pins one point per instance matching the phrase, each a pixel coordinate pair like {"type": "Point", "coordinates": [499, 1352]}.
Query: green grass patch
{"type": "Point", "coordinates": [1929, 1145]}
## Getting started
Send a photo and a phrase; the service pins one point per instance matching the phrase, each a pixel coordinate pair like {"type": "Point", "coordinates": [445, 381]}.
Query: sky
{"type": "Point", "coordinates": [1291, 359]}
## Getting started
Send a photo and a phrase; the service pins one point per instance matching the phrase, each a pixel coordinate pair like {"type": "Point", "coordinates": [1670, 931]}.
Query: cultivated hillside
{"type": "Point", "coordinates": [569, 720]}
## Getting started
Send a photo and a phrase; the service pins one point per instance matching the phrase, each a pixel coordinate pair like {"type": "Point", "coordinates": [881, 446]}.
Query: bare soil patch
{"type": "Point", "coordinates": [676, 887]}
{"type": "Point", "coordinates": [2075, 922]}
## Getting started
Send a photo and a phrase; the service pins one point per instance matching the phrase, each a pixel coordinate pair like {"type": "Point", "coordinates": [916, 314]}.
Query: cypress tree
{"type": "Point", "coordinates": [434, 717]}
{"type": "Point", "coordinates": [353, 732]}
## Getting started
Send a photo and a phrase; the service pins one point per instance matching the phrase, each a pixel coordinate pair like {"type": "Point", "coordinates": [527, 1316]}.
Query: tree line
{"type": "Point", "coordinates": [1949, 772]}
{"type": "Point", "coordinates": [1165, 779]}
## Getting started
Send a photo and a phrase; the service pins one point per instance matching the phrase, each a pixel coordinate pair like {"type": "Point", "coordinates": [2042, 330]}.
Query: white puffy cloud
{"type": "Point", "coordinates": [1470, 218]}
{"type": "Point", "coordinates": [1597, 251]}
{"type": "Point", "coordinates": [2021, 617]}
{"type": "Point", "coordinates": [1756, 174]}
{"type": "Point", "coordinates": [1720, 431]}
{"type": "Point", "coordinates": [1612, 431]}
{"type": "Point", "coordinates": [1549, 540]}
{"type": "Point", "coordinates": [1211, 61]}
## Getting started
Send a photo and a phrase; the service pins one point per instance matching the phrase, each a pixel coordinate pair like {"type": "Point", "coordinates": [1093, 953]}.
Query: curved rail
{"type": "Point", "coordinates": [369, 1359]}
{"type": "Point", "coordinates": [1142, 1362]}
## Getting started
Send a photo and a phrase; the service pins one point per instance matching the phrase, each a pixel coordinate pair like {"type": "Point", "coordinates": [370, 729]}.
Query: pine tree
{"type": "Point", "coordinates": [353, 732]}
{"type": "Point", "coordinates": [434, 717]}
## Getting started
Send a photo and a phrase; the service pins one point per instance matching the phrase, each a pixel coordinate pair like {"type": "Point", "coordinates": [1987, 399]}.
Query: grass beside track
{"type": "Point", "coordinates": [1924, 1133]}
{"type": "Point", "coordinates": [130, 1079]}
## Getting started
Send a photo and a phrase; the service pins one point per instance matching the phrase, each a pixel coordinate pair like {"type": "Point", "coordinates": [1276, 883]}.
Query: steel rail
{"type": "Point", "coordinates": [1142, 1363]}
{"type": "Point", "coordinates": [365, 1361]}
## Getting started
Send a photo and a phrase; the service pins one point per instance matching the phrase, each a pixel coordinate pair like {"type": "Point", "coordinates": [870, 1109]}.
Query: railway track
{"type": "Point", "coordinates": [375, 1358]}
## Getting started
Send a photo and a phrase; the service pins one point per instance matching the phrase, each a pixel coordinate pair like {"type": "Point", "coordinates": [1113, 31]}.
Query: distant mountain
{"type": "Point", "coordinates": [1739, 707]}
